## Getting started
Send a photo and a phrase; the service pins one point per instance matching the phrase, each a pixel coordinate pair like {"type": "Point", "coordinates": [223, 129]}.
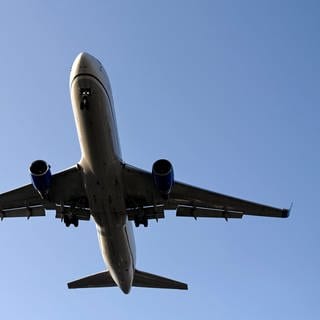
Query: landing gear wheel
{"type": "Point", "coordinates": [71, 220]}
{"type": "Point", "coordinates": [138, 221]}
{"type": "Point", "coordinates": [66, 221]}
{"type": "Point", "coordinates": [76, 222]}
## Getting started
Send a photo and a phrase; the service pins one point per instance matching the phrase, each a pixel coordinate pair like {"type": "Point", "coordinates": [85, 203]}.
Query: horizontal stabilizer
{"type": "Point", "coordinates": [141, 279]}
{"type": "Point", "coordinates": [148, 280]}
{"type": "Point", "coordinates": [101, 279]}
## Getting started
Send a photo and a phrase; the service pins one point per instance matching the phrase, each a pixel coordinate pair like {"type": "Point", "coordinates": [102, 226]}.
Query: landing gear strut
{"type": "Point", "coordinates": [84, 104]}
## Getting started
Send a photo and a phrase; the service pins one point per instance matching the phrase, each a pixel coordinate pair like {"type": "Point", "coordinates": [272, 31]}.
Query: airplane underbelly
{"type": "Point", "coordinates": [112, 243]}
{"type": "Point", "coordinates": [115, 246]}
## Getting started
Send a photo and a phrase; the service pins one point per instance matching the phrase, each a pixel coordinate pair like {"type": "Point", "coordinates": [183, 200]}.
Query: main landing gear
{"type": "Point", "coordinates": [71, 219]}
{"type": "Point", "coordinates": [141, 220]}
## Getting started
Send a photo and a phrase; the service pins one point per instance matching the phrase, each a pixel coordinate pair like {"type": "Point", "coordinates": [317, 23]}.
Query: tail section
{"type": "Point", "coordinates": [141, 279]}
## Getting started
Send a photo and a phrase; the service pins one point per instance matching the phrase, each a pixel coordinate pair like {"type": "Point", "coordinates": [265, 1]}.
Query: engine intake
{"type": "Point", "coordinates": [41, 177]}
{"type": "Point", "coordinates": [163, 177]}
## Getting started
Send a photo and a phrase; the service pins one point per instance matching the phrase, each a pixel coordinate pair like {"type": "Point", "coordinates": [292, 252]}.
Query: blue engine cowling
{"type": "Point", "coordinates": [41, 177]}
{"type": "Point", "coordinates": [162, 172]}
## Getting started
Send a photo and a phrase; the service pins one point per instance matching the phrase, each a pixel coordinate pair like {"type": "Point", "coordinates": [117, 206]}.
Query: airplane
{"type": "Point", "coordinates": [115, 194]}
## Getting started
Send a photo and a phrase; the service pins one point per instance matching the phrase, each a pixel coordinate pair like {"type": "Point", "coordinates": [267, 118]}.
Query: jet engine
{"type": "Point", "coordinates": [41, 177]}
{"type": "Point", "coordinates": [162, 172]}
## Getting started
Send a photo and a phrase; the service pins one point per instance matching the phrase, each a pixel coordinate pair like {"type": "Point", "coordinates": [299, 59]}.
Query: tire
{"type": "Point", "coordinates": [66, 221]}
{"type": "Point", "coordinates": [76, 222]}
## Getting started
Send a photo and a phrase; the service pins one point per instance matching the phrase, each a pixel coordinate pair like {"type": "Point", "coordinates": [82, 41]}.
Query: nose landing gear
{"type": "Point", "coordinates": [85, 93]}
{"type": "Point", "coordinates": [84, 104]}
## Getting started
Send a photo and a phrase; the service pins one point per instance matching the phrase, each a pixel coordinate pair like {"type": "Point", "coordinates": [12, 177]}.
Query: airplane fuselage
{"type": "Point", "coordinates": [101, 164]}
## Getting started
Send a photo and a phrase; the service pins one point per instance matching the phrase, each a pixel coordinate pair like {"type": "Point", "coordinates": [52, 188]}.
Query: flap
{"type": "Point", "coordinates": [151, 212]}
{"type": "Point", "coordinates": [185, 211]}
{"type": "Point", "coordinates": [81, 213]}
{"type": "Point", "coordinates": [27, 212]}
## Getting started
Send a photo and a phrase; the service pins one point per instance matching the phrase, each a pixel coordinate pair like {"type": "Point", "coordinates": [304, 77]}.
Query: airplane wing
{"type": "Point", "coordinates": [66, 192]}
{"type": "Point", "coordinates": [188, 201]}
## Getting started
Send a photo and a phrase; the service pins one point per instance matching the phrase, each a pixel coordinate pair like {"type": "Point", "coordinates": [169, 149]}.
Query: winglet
{"type": "Point", "coordinates": [286, 212]}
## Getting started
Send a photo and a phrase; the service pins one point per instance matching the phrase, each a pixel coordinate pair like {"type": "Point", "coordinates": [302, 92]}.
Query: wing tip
{"type": "Point", "coordinates": [184, 287]}
{"type": "Point", "coordinates": [286, 212]}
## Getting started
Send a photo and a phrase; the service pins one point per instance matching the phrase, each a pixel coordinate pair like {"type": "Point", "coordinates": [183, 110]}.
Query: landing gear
{"type": "Point", "coordinates": [73, 219]}
{"type": "Point", "coordinates": [84, 103]}
{"type": "Point", "coordinates": [141, 220]}
{"type": "Point", "coordinates": [66, 221]}
{"type": "Point", "coordinates": [85, 93]}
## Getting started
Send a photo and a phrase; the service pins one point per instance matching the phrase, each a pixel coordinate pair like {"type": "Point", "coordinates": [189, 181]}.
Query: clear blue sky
{"type": "Point", "coordinates": [229, 92]}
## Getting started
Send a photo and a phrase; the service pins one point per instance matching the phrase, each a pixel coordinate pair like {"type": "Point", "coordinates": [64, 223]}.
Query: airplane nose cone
{"type": "Point", "coordinates": [84, 60]}
{"type": "Point", "coordinates": [84, 63]}
{"type": "Point", "coordinates": [88, 65]}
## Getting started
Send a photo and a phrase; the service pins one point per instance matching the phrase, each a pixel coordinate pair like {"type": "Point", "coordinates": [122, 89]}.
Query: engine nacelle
{"type": "Point", "coordinates": [162, 172]}
{"type": "Point", "coordinates": [41, 177]}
